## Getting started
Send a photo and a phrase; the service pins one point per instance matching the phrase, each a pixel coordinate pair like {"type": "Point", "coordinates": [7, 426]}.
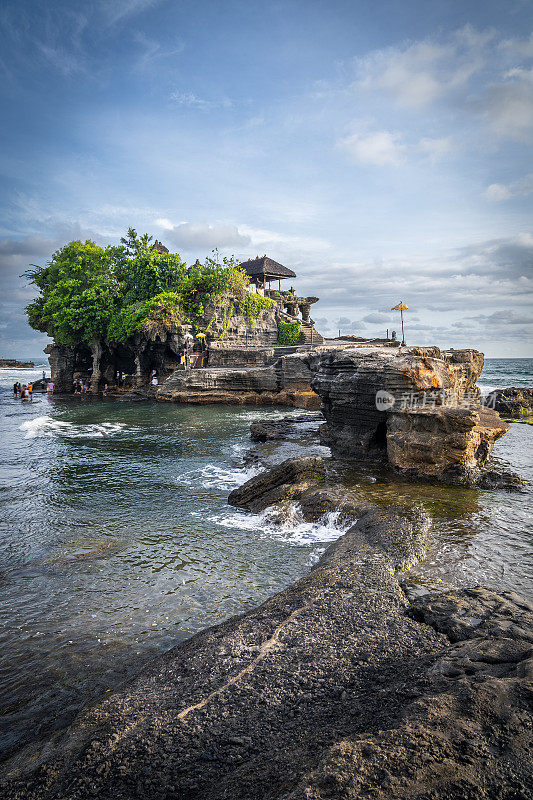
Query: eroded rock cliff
{"type": "Point", "coordinates": [418, 408]}
{"type": "Point", "coordinates": [286, 382]}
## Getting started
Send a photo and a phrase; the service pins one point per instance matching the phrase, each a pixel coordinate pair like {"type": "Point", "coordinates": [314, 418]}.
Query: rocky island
{"type": "Point", "coordinates": [12, 363]}
{"type": "Point", "coordinates": [351, 683]}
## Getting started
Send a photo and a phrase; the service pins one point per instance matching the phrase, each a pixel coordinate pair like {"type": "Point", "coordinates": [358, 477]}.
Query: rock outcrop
{"type": "Point", "coordinates": [273, 429]}
{"type": "Point", "coordinates": [445, 443]}
{"type": "Point", "coordinates": [417, 408]}
{"type": "Point", "coordinates": [286, 382]}
{"type": "Point", "coordinates": [287, 480]}
{"type": "Point", "coordinates": [334, 689]}
{"type": "Point", "coordinates": [512, 401]}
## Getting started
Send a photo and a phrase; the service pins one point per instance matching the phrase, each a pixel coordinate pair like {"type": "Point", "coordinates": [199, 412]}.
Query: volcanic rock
{"type": "Point", "coordinates": [417, 408]}
{"type": "Point", "coordinates": [329, 690]}
{"type": "Point", "coordinates": [282, 482]}
{"type": "Point", "coordinates": [286, 382]}
{"type": "Point", "coordinates": [512, 401]}
{"type": "Point", "coordinates": [270, 430]}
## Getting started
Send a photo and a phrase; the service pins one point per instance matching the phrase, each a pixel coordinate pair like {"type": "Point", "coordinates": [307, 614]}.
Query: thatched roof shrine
{"type": "Point", "coordinates": [157, 245]}
{"type": "Point", "coordinates": [264, 269]}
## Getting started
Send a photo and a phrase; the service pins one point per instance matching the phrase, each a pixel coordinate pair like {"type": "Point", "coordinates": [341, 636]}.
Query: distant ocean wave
{"type": "Point", "coordinates": [48, 426]}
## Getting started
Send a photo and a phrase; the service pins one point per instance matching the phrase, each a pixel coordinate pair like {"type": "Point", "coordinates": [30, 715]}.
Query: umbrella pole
{"type": "Point", "coordinates": [403, 335]}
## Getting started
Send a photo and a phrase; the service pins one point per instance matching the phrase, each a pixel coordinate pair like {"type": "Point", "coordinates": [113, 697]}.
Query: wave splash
{"type": "Point", "coordinates": [48, 426]}
{"type": "Point", "coordinates": [214, 477]}
{"type": "Point", "coordinates": [287, 524]}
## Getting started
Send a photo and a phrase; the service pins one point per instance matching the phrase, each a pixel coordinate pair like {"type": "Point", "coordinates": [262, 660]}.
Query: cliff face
{"type": "Point", "coordinates": [286, 382]}
{"type": "Point", "coordinates": [418, 408]}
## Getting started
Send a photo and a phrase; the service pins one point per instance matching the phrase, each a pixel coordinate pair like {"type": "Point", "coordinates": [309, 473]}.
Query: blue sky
{"type": "Point", "coordinates": [380, 149]}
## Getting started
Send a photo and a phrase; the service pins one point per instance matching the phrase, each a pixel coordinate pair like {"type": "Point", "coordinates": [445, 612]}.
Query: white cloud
{"type": "Point", "coordinates": [381, 148]}
{"type": "Point", "coordinates": [163, 222]}
{"type": "Point", "coordinates": [496, 192]}
{"type": "Point", "coordinates": [200, 235]}
{"type": "Point", "coordinates": [518, 47]}
{"type": "Point", "coordinates": [191, 100]}
{"type": "Point", "coordinates": [499, 191]}
{"type": "Point", "coordinates": [436, 149]}
{"type": "Point", "coordinates": [508, 105]}
{"type": "Point", "coordinates": [420, 73]}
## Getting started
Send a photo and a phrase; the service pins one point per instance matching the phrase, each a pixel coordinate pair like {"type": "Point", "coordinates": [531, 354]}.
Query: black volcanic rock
{"type": "Point", "coordinates": [334, 689]}
{"type": "Point", "coordinates": [512, 401]}
{"type": "Point", "coordinates": [286, 480]}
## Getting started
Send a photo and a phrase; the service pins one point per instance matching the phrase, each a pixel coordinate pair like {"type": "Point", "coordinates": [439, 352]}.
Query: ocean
{"type": "Point", "coordinates": [117, 541]}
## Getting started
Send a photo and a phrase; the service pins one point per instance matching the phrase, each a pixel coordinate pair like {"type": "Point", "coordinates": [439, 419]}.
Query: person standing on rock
{"type": "Point", "coordinates": [16, 389]}
{"type": "Point", "coordinates": [30, 390]}
{"type": "Point", "coordinates": [50, 388]}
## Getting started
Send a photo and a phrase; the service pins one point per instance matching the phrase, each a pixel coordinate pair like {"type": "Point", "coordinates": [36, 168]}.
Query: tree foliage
{"type": "Point", "coordinates": [90, 293]}
{"type": "Point", "coordinates": [288, 332]}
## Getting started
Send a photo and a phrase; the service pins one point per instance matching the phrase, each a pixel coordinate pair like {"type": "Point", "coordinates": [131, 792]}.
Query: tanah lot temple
{"type": "Point", "coordinates": [231, 359]}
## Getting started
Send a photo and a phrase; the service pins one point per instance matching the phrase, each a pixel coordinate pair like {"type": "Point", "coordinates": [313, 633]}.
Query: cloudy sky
{"type": "Point", "coordinates": [380, 148]}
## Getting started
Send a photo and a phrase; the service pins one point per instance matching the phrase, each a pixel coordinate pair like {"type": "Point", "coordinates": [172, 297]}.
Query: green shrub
{"type": "Point", "coordinates": [288, 333]}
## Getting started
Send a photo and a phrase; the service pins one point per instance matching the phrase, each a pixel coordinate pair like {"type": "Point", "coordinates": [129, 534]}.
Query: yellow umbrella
{"type": "Point", "coordinates": [401, 307]}
{"type": "Point", "coordinates": [200, 335]}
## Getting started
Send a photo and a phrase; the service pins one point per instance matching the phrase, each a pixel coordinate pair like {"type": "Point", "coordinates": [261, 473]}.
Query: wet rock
{"type": "Point", "coordinates": [284, 481]}
{"type": "Point", "coordinates": [270, 430]}
{"type": "Point", "coordinates": [316, 502]}
{"type": "Point", "coordinates": [495, 479]}
{"type": "Point", "coordinates": [341, 690]}
{"type": "Point", "coordinates": [512, 401]}
{"type": "Point", "coordinates": [136, 397]}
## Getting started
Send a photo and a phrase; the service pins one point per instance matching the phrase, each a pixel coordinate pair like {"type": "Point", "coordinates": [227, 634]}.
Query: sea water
{"type": "Point", "coordinates": [117, 541]}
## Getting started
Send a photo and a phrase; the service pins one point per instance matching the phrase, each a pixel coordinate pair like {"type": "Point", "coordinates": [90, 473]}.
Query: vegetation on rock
{"type": "Point", "coordinates": [90, 293]}
{"type": "Point", "coordinates": [288, 333]}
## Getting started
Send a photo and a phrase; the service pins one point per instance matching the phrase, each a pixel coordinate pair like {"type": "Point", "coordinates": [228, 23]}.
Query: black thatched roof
{"type": "Point", "coordinates": [159, 247]}
{"type": "Point", "coordinates": [262, 266]}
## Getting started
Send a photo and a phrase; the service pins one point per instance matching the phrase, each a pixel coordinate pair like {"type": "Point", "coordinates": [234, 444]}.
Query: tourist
{"type": "Point", "coordinates": [50, 387]}
{"type": "Point", "coordinates": [106, 390]}
{"type": "Point", "coordinates": [24, 394]}
{"type": "Point", "coordinates": [16, 389]}
{"type": "Point", "coordinates": [154, 380]}
{"type": "Point", "coordinates": [44, 376]}
{"type": "Point", "coordinates": [30, 390]}
{"type": "Point", "coordinates": [77, 386]}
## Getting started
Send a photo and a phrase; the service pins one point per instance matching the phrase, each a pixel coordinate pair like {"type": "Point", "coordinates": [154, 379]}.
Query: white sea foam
{"type": "Point", "coordinates": [288, 525]}
{"type": "Point", "coordinates": [48, 426]}
{"type": "Point", "coordinates": [213, 476]}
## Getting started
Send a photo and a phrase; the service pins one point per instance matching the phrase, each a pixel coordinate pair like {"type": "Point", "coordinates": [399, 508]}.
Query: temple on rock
{"type": "Point", "coordinates": [226, 337]}
{"type": "Point", "coordinates": [263, 270]}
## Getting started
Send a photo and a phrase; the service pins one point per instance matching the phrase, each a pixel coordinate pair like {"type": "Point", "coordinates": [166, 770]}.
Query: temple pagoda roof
{"type": "Point", "coordinates": [157, 245]}
{"type": "Point", "coordinates": [262, 266]}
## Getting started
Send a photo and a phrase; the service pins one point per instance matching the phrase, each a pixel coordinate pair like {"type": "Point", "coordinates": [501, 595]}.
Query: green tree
{"type": "Point", "coordinates": [79, 293]}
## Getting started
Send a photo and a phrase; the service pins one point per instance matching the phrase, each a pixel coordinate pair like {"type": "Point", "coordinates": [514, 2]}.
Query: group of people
{"type": "Point", "coordinates": [81, 386]}
{"type": "Point", "coordinates": [25, 390]}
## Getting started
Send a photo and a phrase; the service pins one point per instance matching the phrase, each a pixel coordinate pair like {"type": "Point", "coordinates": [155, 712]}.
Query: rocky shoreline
{"type": "Point", "coordinates": [344, 685]}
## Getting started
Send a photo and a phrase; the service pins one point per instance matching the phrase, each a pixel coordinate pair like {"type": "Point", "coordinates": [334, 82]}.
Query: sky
{"type": "Point", "coordinates": [382, 149]}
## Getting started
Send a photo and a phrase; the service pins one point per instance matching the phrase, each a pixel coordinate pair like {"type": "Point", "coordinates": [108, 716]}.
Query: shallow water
{"type": "Point", "coordinates": [117, 541]}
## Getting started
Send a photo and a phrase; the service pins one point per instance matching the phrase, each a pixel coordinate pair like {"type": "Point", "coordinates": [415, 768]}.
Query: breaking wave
{"type": "Point", "coordinates": [214, 477]}
{"type": "Point", "coordinates": [48, 426]}
{"type": "Point", "coordinates": [286, 524]}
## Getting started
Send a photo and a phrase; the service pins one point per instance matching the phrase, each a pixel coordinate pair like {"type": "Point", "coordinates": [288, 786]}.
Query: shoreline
{"type": "Point", "coordinates": [334, 683]}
